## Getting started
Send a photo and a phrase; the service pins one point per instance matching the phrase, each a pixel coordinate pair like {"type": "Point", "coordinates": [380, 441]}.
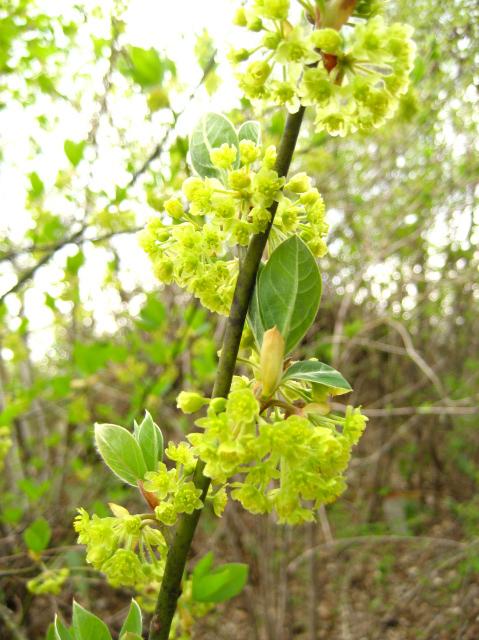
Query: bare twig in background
{"type": "Point", "coordinates": [10, 624]}
{"type": "Point", "coordinates": [28, 274]}
{"type": "Point", "coordinates": [176, 115]}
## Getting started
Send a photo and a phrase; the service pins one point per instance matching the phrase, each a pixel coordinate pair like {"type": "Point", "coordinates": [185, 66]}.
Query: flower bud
{"type": "Point", "coordinates": [224, 156]}
{"type": "Point", "coordinates": [299, 183]}
{"type": "Point", "coordinates": [254, 23]}
{"type": "Point", "coordinates": [164, 269]}
{"type": "Point", "coordinates": [174, 208]}
{"type": "Point", "coordinates": [190, 401]}
{"type": "Point", "coordinates": [166, 514]}
{"type": "Point", "coordinates": [258, 72]}
{"type": "Point", "coordinates": [328, 40]}
{"type": "Point", "coordinates": [249, 152]}
{"type": "Point", "coordinates": [271, 40]}
{"type": "Point", "coordinates": [273, 9]}
{"type": "Point", "coordinates": [269, 159]}
{"type": "Point", "coordinates": [240, 18]}
{"type": "Point", "coordinates": [218, 405]}
{"type": "Point", "coordinates": [271, 360]}
{"type": "Point", "coordinates": [191, 186]}
{"type": "Point", "coordinates": [239, 179]}
{"type": "Point", "coordinates": [235, 56]}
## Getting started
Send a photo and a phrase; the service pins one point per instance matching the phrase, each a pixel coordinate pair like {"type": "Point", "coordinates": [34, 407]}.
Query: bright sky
{"type": "Point", "coordinates": [167, 26]}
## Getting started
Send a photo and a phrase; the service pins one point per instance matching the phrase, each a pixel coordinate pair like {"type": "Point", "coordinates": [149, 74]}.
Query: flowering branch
{"type": "Point", "coordinates": [178, 552]}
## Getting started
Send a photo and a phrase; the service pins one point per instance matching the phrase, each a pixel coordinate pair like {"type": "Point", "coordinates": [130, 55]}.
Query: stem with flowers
{"type": "Point", "coordinates": [267, 439]}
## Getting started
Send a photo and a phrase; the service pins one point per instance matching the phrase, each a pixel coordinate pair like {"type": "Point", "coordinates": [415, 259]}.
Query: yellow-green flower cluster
{"type": "Point", "coordinates": [175, 491]}
{"type": "Point", "coordinates": [301, 211]}
{"type": "Point", "coordinates": [125, 547]}
{"type": "Point", "coordinates": [196, 250]}
{"type": "Point", "coordinates": [130, 549]}
{"type": "Point", "coordinates": [277, 463]}
{"type": "Point", "coordinates": [353, 76]}
{"type": "Point", "coordinates": [49, 581]}
{"type": "Point", "coordinates": [195, 243]}
{"type": "Point", "coordinates": [230, 439]}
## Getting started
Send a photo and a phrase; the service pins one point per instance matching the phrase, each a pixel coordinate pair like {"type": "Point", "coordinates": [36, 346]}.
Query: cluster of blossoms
{"type": "Point", "coordinates": [49, 581]}
{"type": "Point", "coordinates": [131, 549]}
{"type": "Point", "coordinates": [127, 548]}
{"type": "Point", "coordinates": [353, 73]}
{"type": "Point", "coordinates": [196, 246]}
{"type": "Point", "coordinates": [271, 461]}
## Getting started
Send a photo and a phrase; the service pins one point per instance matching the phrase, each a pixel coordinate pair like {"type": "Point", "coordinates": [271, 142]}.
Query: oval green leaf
{"type": "Point", "coordinates": [87, 626]}
{"type": "Point", "coordinates": [290, 291]}
{"type": "Point", "coordinates": [318, 372]}
{"type": "Point", "coordinates": [120, 452]}
{"type": "Point", "coordinates": [74, 151]}
{"type": "Point", "coordinates": [37, 535]}
{"type": "Point", "coordinates": [147, 67]}
{"type": "Point", "coordinates": [250, 130]}
{"type": "Point", "coordinates": [150, 439]}
{"type": "Point", "coordinates": [203, 565]}
{"type": "Point", "coordinates": [221, 584]}
{"type": "Point", "coordinates": [211, 132]}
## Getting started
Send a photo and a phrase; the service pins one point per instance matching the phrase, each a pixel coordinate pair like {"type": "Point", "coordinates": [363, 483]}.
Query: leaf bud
{"type": "Point", "coordinates": [271, 360]}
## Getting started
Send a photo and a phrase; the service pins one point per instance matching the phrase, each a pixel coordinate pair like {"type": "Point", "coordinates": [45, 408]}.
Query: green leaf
{"type": "Point", "coordinates": [37, 186]}
{"type": "Point", "coordinates": [87, 626]}
{"type": "Point", "coordinates": [203, 565]}
{"type": "Point", "coordinates": [120, 452]}
{"type": "Point", "coordinates": [152, 315]}
{"type": "Point", "coordinates": [37, 535]}
{"type": "Point", "coordinates": [150, 439]}
{"type": "Point", "coordinates": [61, 632]}
{"type": "Point", "coordinates": [51, 635]}
{"type": "Point", "coordinates": [289, 291]}
{"type": "Point", "coordinates": [250, 130]}
{"type": "Point", "coordinates": [34, 490]}
{"type": "Point", "coordinates": [211, 132]}
{"type": "Point", "coordinates": [219, 585]}
{"type": "Point", "coordinates": [131, 636]}
{"type": "Point", "coordinates": [254, 316]}
{"type": "Point", "coordinates": [314, 371]}
{"type": "Point", "coordinates": [74, 151]}
{"type": "Point", "coordinates": [133, 621]}
{"type": "Point", "coordinates": [148, 68]}
{"type": "Point", "coordinates": [75, 262]}
{"type": "Point", "coordinates": [89, 358]}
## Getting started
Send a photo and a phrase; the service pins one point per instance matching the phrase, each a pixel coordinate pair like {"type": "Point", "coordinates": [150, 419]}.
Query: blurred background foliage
{"type": "Point", "coordinates": [397, 556]}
